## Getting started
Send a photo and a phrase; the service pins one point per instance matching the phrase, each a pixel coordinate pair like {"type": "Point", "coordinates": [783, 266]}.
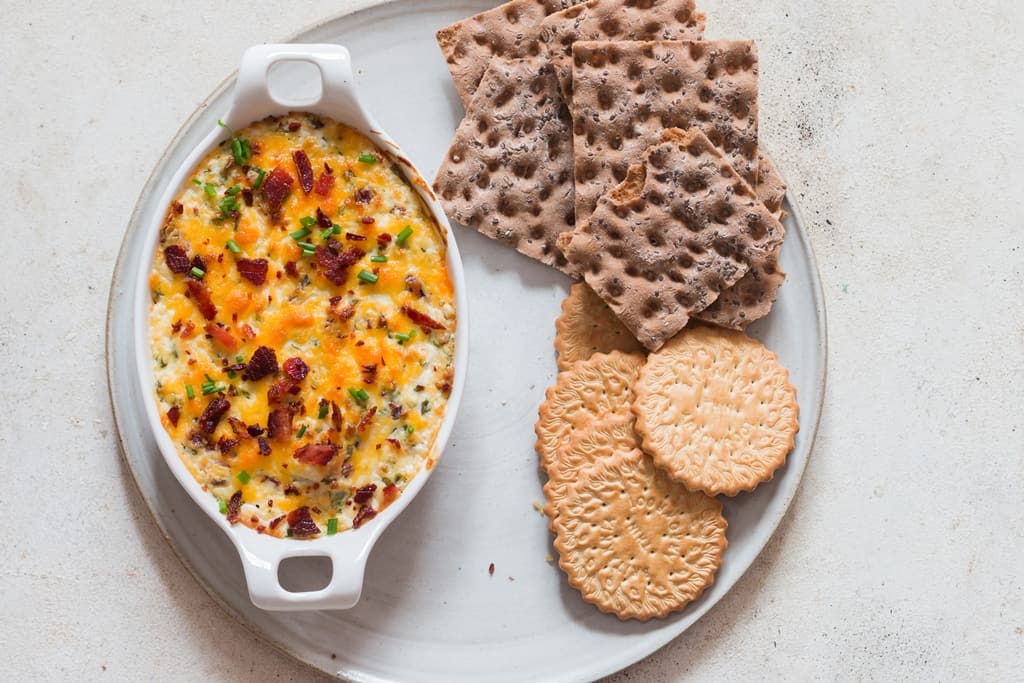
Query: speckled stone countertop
{"type": "Point", "coordinates": [898, 127]}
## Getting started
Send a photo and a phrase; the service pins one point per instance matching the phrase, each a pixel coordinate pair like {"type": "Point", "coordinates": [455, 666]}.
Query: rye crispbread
{"type": "Point", "coordinates": [749, 299]}
{"type": "Point", "coordinates": [625, 94]}
{"type": "Point", "coordinates": [586, 391]}
{"type": "Point", "coordinates": [635, 543]}
{"type": "Point", "coordinates": [680, 229]}
{"type": "Point", "coordinates": [510, 30]}
{"type": "Point", "coordinates": [617, 20]}
{"type": "Point", "coordinates": [587, 326]}
{"type": "Point", "coordinates": [508, 172]}
{"type": "Point", "coordinates": [716, 411]}
{"type": "Point", "coordinates": [771, 188]}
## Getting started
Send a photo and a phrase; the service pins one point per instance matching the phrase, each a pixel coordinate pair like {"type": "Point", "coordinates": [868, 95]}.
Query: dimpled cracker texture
{"type": "Point", "coordinates": [586, 391]}
{"type": "Point", "coordinates": [616, 20]}
{"type": "Point", "coordinates": [681, 228]}
{"type": "Point", "coordinates": [508, 173]}
{"type": "Point", "coordinates": [625, 94]}
{"type": "Point", "coordinates": [635, 543]}
{"type": "Point", "coordinates": [749, 299]}
{"type": "Point", "coordinates": [771, 188]}
{"type": "Point", "coordinates": [716, 411]}
{"type": "Point", "coordinates": [596, 441]}
{"type": "Point", "coordinates": [587, 326]}
{"type": "Point", "coordinates": [509, 30]}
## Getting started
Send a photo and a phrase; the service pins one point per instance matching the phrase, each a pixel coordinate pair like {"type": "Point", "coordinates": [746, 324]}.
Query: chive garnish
{"type": "Point", "coordinates": [323, 411]}
{"type": "Point", "coordinates": [379, 258]}
{"type": "Point", "coordinates": [244, 477]}
{"type": "Point", "coordinates": [210, 189]}
{"type": "Point", "coordinates": [333, 230]}
{"type": "Point", "coordinates": [300, 234]}
{"type": "Point", "coordinates": [367, 276]}
{"type": "Point", "coordinates": [260, 175]}
{"type": "Point", "coordinates": [409, 429]}
{"type": "Point", "coordinates": [302, 430]}
{"type": "Point", "coordinates": [307, 221]}
{"type": "Point", "coordinates": [234, 248]}
{"type": "Point", "coordinates": [239, 358]}
{"type": "Point", "coordinates": [332, 526]}
{"type": "Point", "coordinates": [197, 272]}
{"type": "Point", "coordinates": [368, 158]}
{"type": "Point", "coordinates": [359, 395]}
{"type": "Point", "coordinates": [404, 235]}
{"type": "Point", "coordinates": [189, 391]}
{"type": "Point", "coordinates": [223, 506]}
{"type": "Point", "coordinates": [404, 337]}
{"type": "Point", "coordinates": [306, 246]}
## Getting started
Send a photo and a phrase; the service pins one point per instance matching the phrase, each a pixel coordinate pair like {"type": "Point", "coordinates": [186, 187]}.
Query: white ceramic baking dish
{"type": "Point", "coordinates": [348, 551]}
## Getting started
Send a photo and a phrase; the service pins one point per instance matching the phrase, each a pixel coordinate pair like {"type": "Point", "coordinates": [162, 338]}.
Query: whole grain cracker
{"type": "Point", "coordinates": [716, 411]}
{"type": "Point", "coordinates": [595, 442]}
{"type": "Point", "coordinates": [617, 20]}
{"type": "Point", "coordinates": [583, 393]}
{"type": "Point", "coordinates": [587, 326]}
{"type": "Point", "coordinates": [677, 231]}
{"type": "Point", "coordinates": [771, 188]}
{"type": "Point", "coordinates": [625, 94]}
{"type": "Point", "coordinates": [508, 172]}
{"type": "Point", "coordinates": [749, 299]}
{"type": "Point", "coordinates": [635, 543]}
{"type": "Point", "coordinates": [510, 30]}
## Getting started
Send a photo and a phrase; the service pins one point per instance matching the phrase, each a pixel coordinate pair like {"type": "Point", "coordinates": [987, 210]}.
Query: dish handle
{"type": "Point", "coordinates": [253, 99]}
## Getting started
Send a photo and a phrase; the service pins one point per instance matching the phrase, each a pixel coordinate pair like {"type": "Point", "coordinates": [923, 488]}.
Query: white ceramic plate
{"type": "Point", "coordinates": [430, 610]}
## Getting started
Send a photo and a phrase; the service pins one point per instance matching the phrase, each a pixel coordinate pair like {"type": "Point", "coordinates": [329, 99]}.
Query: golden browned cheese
{"type": "Point", "coordinates": [349, 276]}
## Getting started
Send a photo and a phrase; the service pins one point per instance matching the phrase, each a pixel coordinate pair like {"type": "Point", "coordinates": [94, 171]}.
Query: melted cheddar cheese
{"type": "Point", "coordinates": [354, 284]}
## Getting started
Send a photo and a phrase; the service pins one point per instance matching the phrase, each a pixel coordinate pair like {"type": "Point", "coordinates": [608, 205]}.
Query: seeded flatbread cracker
{"type": "Point", "coordinates": [586, 391]}
{"type": "Point", "coordinates": [510, 30]}
{"type": "Point", "coordinates": [771, 188]}
{"type": "Point", "coordinates": [587, 326]}
{"type": "Point", "coordinates": [635, 543]}
{"type": "Point", "coordinates": [617, 20]}
{"type": "Point", "coordinates": [625, 94]}
{"type": "Point", "coordinates": [508, 172]}
{"type": "Point", "coordinates": [594, 442]}
{"type": "Point", "coordinates": [664, 243]}
{"type": "Point", "coordinates": [749, 299]}
{"type": "Point", "coordinates": [716, 411]}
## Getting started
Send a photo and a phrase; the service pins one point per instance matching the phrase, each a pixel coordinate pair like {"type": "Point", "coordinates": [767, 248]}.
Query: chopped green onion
{"type": "Point", "coordinates": [404, 337]}
{"type": "Point", "coordinates": [306, 246]}
{"type": "Point", "coordinates": [210, 189]}
{"type": "Point", "coordinates": [244, 477]}
{"type": "Point", "coordinates": [332, 526]}
{"type": "Point", "coordinates": [239, 358]}
{"type": "Point", "coordinates": [211, 389]}
{"type": "Point", "coordinates": [333, 230]}
{"type": "Point", "coordinates": [368, 158]}
{"type": "Point", "coordinates": [302, 430]}
{"type": "Point", "coordinates": [241, 151]}
{"type": "Point", "coordinates": [198, 272]}
{"type": "Point", "coordinates": [367, 276]}
{"type": "Point", "coordinates": [220, 122]}
{"type": "Point", "coordinates": [197, 181]}
{"type": "Point", "coordinates": [404, 235]}
{"type": "Point", "coordinates": [409, 429]}
{"type": "Point", "coordinates": [260, 175]}
{"type": "Point", "coordinates": [189, 391]}
{"type": "Point", "coordinates": [233, 190]}
{"type": "Point", "coordinates": [308, 252]}
{"type": "Point", "coordinates": [235, 249]}
{"type": "Point", "coordinates": [359, 395]}
{"type": "Point", "coordinates": [323, 411]}
{"type": "Point", "coordinates": [307, 221]}
{"type": "Point", "coordinates": [424, 407]}
{"type": "Point", "coordinates": [300, 234]}
{"type": "Point", "coordinates": [231, 374]}
{"type": "Point", "coordinates": [223, 506]}
{"type": "Point", "coordinates": [379, 258]}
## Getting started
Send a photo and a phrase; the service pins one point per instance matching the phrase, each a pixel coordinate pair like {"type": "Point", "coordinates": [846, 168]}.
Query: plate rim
{"type": "Point", "coordinates": [649, 647]}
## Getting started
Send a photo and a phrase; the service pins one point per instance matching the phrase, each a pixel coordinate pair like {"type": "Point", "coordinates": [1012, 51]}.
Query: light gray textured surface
{"type": "Point", "coordinates": [899, 131]}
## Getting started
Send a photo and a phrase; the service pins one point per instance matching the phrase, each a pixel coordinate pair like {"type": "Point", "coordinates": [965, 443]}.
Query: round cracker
{"type": "Point", "coordinates": [594, 443]}
{"type": "Point", "coordinates": [634, 542]}
{"type": "Point", "coordinates": [587, 326]}
{"type": "Point", "coordinates": [715, 409]}
{"type": "Point", "coordinates": [587, 390]}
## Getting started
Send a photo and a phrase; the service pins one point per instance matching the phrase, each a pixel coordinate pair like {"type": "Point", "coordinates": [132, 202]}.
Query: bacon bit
{"type": "Point", "coordinates": [197, 262]}
{"type": "Point", "coordinates": [279, 423]}
{"type": "Point", "coordinates": [315, 122]}
{"type": "Point", "coordinates": [367, 220]}
{"type": "Point", "coordinates": [189, 330]}
{"type": "Point", "coordinates": [262, 363]}
{"type": "Point", "coordinates": [264, 445]}
{"type": "Point", "coordinates": [336, 419]}
{"type": "Point", "coordinates": [316, 454]}
{"type": "Point", "coordinates": [383, 240]}
{"type": "Point", "coordinates": [291, 269]}
{"type": "Point", "coordinates": [335, 265]}
{"type": "Point", "coordinates": [247, 196]}
{"type": "Point", "coordinates": [201, 295]}
{"type": "Point", "coordinates": [365, 420]}
{"type": "Point", "coordinates": [255, 430]}
{"type": "Point", "coordinates": [419, 387]}
{"type": "Point", "coordinates": [296, 369]}
{"type": "Point", "coordinates": [294, 125]}
{"type": "Point", "coordinates": [325, 183]}
{"type": "Point", "coordinates": [321, 219]}
{"type": "Point", "coordinates": [234, 506]}
{"type": "Point", "coordinates": [445, 387]}
{"type": "Point", "coordinates": [275, 188]}
{"type": "Point", "coordinates": [301, 523]}
{"type": "Point", "coordinates": [369, 373]}
{"type": "Point", "coordinates": [235, 367]}
{"type": "Point", "coordinates": [291, 490]}
{"type": "Point", "coordinates": [396, 443]}
{"type": "Point", "coordinates": [177, 259]}
{"type": "Point", "coordinates": [421, 319]}
{"type": "Point", "coordinates": [198, 440]}
{"type": "Point", "coordinates": [396, 410]}
{"type": "Point", "coordinates": [413, 284]}
{"type": "Point", "coordinates": [176, 327]}
{"type": "Point", "coordinates": [238, 427]}
{"type": "Point", "coordinates": [364, 195]}
{"type": "Point", "coordinates": [225, 444]}
{"type": "Point", "coordinates": [490, 570]}
{"type": "Point", "coordinates": [178, 207]}
{"type": "Point", "coordinates": [353, 237]}
{"type": "Point", "coordinates": [254, 270]}
{"type": "Point", "coordinates": [365, 514]}
{"type": "Point", "coordinates": [211, 416]}
{"type": "Point", "coordinates": [278, 390]}
{"type": "Point", "coordinates": [247, 332]}
{"type": "Point", "coordinates": [275, 522]}
{"type": "Point", "coordinates": [364, 494]}
{"type": "Point", "coordinates": [304, 169]}
{"type": "Point", "coordinates": [222, 336]}
{"type": "Point", "coordinates": [173, 415]}
{"type": "Point", "coordinates": [388, 495]}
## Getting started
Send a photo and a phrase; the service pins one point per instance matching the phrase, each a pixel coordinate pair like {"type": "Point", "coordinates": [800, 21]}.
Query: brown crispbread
{"type": "Point", "coordinates": [625, 94]}
{"type": "Point", "coordinates": [749, 299]}
{"type": "Point", "coordinates": [716, 411]}
{"type": "Point", "coordinates": [587, 326]}
{"type": "Point", "coordinates": [618, 20]}
{"type": "Point", "coordinates": [508, 172]}
{"type": "Point", "coordinates": [510, 30]}
{"type": "Point", "coordinates": [771, 188]}
{"type": "Point", "coordinates": [663, 244]}
{"type": "Point", "coordinates": [635, 543]}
